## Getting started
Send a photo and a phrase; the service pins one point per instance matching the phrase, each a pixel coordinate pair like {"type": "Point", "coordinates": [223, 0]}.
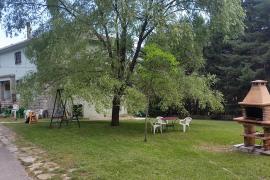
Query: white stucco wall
{"type": "Point", "coordinates": [90, 112]}
{"type": "Point", "coordinates": [8, 66]}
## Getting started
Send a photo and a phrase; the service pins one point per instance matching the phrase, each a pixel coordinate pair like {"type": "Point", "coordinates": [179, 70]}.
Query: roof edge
{"type": "Point", "coordinates": [13, 47]}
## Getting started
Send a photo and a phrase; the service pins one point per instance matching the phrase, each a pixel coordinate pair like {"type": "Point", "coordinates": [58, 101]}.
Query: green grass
{"type": "Point", "coordinates": [103, 152]}
{"type": "Point", "coordinates": [8, 119]}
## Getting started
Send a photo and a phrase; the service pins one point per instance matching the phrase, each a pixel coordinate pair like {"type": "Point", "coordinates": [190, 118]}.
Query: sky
{"type": "Point", "coordinates": [5, 41]}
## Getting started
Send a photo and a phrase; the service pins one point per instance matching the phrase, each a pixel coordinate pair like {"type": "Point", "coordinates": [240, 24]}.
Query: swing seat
{"type": "Point", "coordinates": [58, 117]}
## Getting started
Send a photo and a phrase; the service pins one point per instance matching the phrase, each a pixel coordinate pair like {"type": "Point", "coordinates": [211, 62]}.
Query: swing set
{"type": "Point", "coordinates": [64, 110]}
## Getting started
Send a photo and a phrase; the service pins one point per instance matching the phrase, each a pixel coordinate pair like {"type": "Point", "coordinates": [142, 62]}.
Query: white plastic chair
{"type": "Point", "coordinates": [155, 126]}
{"type": "Point", "coordinates": [185, 123]}
{"type": "Point", "coordinates": [26, 113]}
{"type": "Point", "coordinates": [14, 110]}
{"type": "Point", "coordinates": [161, 122]}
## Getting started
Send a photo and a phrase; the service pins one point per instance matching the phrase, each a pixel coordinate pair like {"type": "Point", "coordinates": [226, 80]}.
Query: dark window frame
{"type": "Point", "coordinates": [18, 57]}
{"type": "Point", "coordinates": [7, 85]}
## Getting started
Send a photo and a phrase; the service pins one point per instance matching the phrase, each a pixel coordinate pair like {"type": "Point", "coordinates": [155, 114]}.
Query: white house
{"type": "Point", "coordinates": [14, 65]}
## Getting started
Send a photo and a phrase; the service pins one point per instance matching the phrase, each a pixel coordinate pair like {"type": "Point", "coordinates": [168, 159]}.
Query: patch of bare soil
{"type": "Point", "coordinates": [215, 148]}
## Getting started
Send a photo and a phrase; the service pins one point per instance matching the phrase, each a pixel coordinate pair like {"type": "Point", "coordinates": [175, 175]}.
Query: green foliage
{"type": "Point", "coordinates": [239, 61]}
{"type": "Point", "coordinates": [135, 101]}
{"type": "Point", "coordinates": [6, 112]}
{"type": "Point", "coordinates": [198, 89]}
{"type": "Point", "coordinates": [227, 16]}
{"type": "Point", "coordinates": [92, 48]}
{"type": "Point", "coordinates": [157, 75]}
{"type": "Point", "coordinates": [66, 59]}
{"type": "Point", "coordinates": [185, 42]}
{"type": "Point", "coordinates": [162, 77]}
{"type": "Point", "coordinates": [28, 88]}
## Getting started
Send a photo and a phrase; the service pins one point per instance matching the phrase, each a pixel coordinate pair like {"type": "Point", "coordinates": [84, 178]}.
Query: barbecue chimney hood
{"type": "Point", "coordinates": [258, 94]}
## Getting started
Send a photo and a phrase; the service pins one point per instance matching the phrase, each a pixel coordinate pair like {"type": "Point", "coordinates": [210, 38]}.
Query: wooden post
{"type": "Point", "coordinates": [12, 84]}
{"type": "Point", "coordinates": [266, 141]}
{"type": "Point", "coordinates": [2, 89]}
{"type": "Point", "coordinates": [249, 130]}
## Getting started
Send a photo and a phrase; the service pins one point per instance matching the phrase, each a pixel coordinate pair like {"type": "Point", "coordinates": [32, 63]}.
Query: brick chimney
{"type": "Point", "coordinates": [29, 30]}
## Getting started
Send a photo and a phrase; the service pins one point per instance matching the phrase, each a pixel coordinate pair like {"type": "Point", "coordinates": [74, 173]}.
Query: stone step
{"type": "Point", "coordinates": [5, 104]}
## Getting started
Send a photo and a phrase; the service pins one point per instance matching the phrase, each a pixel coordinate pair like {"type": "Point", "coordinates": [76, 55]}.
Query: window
{"type": "Point", "coordinates": [7, 85]}
{"type": "Point", "coordinates": [18, 57]}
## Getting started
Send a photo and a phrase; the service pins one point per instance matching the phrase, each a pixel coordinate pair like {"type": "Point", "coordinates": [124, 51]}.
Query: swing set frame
{"type": "Point", "coordinates": [63, 117]}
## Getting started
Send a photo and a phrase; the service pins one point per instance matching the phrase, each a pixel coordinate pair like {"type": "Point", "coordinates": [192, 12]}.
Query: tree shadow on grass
{"type": "Point", "coordinates": [93, 128]}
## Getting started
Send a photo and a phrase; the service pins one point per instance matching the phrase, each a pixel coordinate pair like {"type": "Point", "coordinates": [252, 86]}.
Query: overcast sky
{"type": "Point", "coordinates": [5, 41]}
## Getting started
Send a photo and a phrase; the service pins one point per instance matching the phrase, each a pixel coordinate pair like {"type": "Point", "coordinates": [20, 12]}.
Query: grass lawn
{"type": "Point", "coordinates": [102, 152]}
{"type": "Point", "coordinates": [8, 119]}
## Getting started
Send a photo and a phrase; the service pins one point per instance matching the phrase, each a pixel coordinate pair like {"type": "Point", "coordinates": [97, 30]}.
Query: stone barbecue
{"type": "Point", "coordinates": [256, 112]}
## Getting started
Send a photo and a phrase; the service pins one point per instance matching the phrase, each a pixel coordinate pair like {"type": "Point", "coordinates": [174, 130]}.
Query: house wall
{"type": "Point", "coordinates": [90, 112]}
{"type": "Point", "coordinates": [8, 66]}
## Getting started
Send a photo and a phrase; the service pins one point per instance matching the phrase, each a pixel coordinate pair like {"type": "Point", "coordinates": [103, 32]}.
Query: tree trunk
{"type": "Point", "coordinates": [146, 117]}
{"type": "Point", "coordinates": [115, 110]}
